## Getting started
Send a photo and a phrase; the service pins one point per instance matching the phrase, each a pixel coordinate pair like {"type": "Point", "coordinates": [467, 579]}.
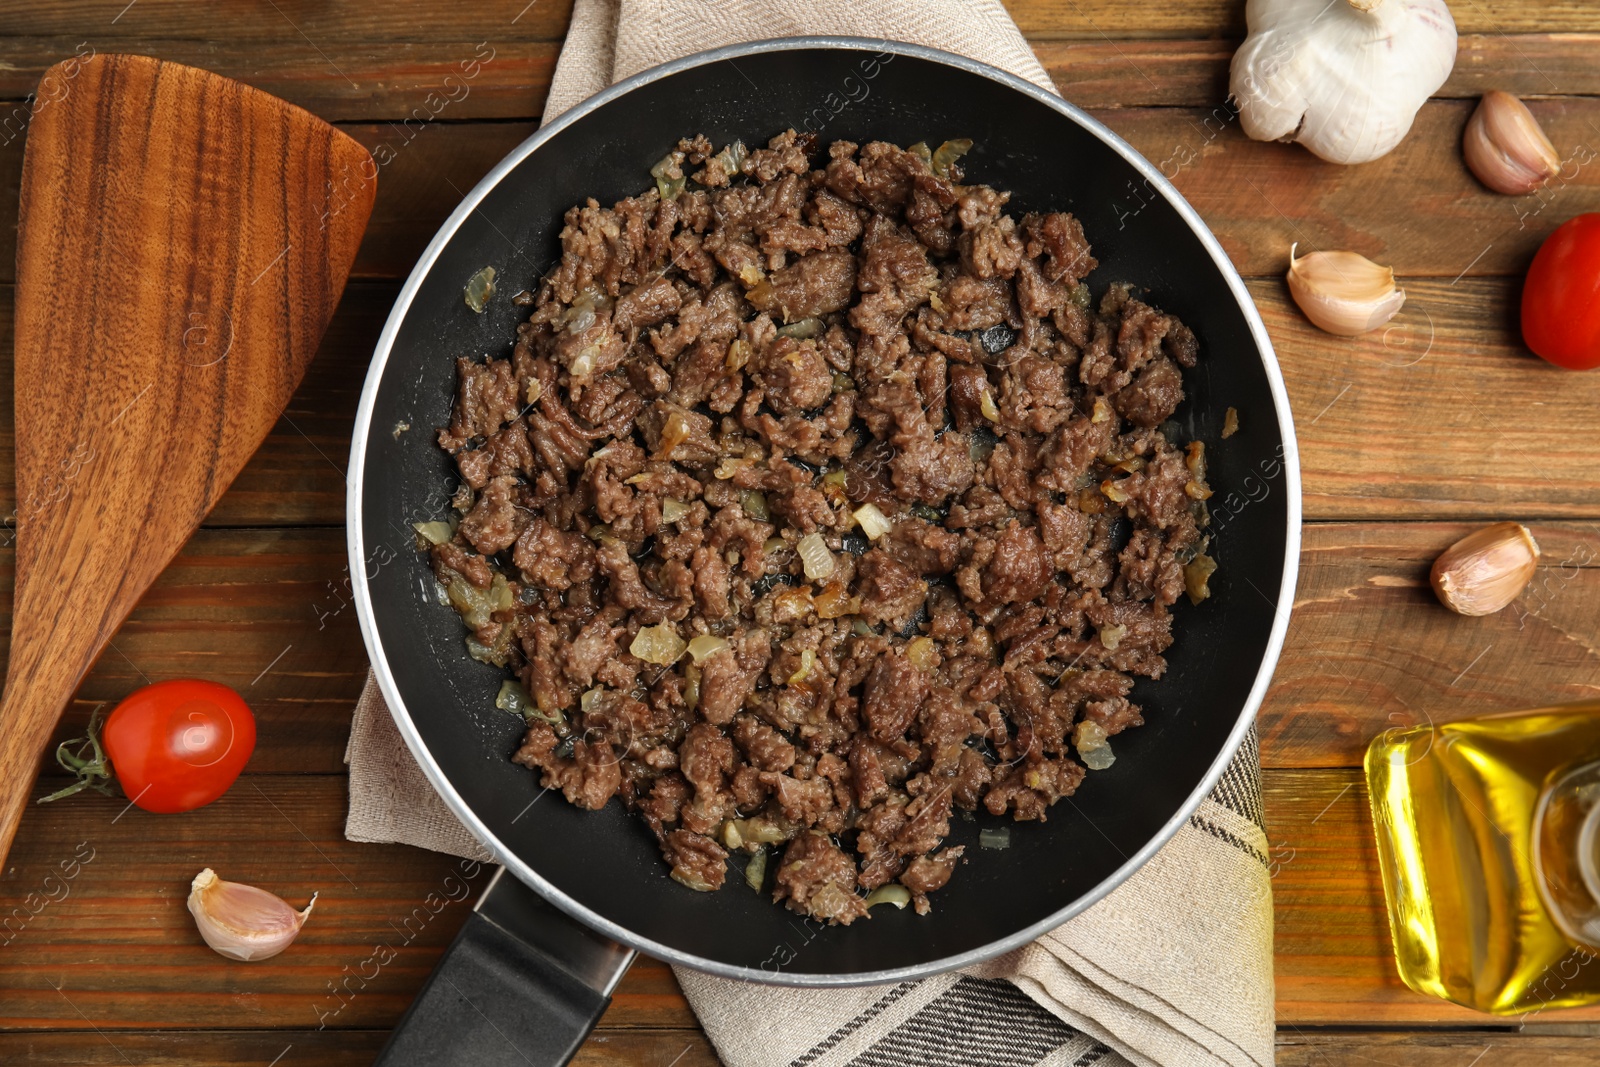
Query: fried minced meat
{"type": "Point", "coordinates": [816, 501]}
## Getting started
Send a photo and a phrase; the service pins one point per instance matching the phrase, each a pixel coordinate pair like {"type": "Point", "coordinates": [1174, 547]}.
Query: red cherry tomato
{"type": "Point", "coordinates": [1561, 298]}
{"type": "Point", "coordinates": [179, 745]}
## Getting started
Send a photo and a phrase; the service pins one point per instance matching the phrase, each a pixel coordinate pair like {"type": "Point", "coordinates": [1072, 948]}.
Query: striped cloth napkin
{"type": "Point", "coordinates": [1173, 968]}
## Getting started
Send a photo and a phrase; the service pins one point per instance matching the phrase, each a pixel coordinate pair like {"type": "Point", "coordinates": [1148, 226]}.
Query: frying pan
{"type": "Point", "coordinates": [581, 890]}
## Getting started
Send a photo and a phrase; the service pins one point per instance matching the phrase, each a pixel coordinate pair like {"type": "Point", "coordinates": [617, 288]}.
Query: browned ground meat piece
{"type": "Point", "coordinates": [706, 380]}
{"type": "Point", "coordinates": [812, 285]}
{"type": "Point", "coordinates": [926, 873]}
{"type": "Point", "coordinates": [894, 690]}
{"type": "Point", "coordinates": [696, 861]}
{"type": "Point", "coordinates": [815, 878]}
{"type": "Point", "coordinates": [1153, 395]}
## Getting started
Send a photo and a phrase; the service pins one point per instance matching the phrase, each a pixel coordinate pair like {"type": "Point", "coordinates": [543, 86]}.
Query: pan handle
{"type": "Point", "coordinates": [522, 985]}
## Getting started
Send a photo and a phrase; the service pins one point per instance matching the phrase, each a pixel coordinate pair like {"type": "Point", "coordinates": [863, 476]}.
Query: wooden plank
{"type": "Point", "coordinates": [264, 611]}
{"type": "Point", "coordinates": [366, 80]}
{"type": "Point", "coordinates": [418, 20]}
{"type": "Point", "coordinates": [1309, 1048]}
{"type": "Point", "coordinates": [1101, 73]}
{"type": "Point", "coordinates": [1370, 648]}
{"type": "Point", "coordinates": [509, 79]}
{"type": "Point", "coordinates": [109, 23]}
{"type": "Point", "coordinates": [121, 948]}
{"type": "Point", "coordinates": [313, 1048]}
{"type": "Point", "coordinates": [689, 1048]}
{"type": "Point", "coordinates": [1070, 19]}
{"type": "Point", "coordinates": [1442, 414]}
{"type": "Point", "coordinates": [1448, 227]}
{"type": "Point", "coordinates": [116, 948]}
{"type": "Point", "coordinates": [188, 1048]}
{"type": "Point", "coordinates": [1416, 209]}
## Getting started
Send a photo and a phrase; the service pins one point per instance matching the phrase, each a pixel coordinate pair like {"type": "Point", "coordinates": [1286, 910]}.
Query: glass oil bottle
{"type": "Point", "coordinates": [1489, 843]}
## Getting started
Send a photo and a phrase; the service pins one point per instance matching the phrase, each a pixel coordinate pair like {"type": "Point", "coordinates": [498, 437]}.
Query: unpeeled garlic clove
{"type": "Point", "coordinates": [1505, 147]}
{"type": "Point", "coordinates": [1486, 570]}
{"type": "Point", "coordinates": [1343, 292]}
{"type": "Point", "coordinates": [241, 921]}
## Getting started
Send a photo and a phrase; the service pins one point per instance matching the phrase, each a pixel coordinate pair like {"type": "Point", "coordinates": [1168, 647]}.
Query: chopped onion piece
{"type": "Point", "coordinates": [738, 355]}
{"type": "Point", "coordinates": [479, 290]}
{"type": "Point", "coordinates": [579, 317]}
{"type": "Point", "coordinates": [835, 602]}
{"type": "Point", "coordinates": [673, 510]}
{"type": "Point", "coordinates": [994, 837]}
{"type": "Point", "coordinates": [732, 158]}
{"type": "Point", "coordinates": [659, 644]}
{"type": "Point", "coordinates": [755, 872]}
{"type": "Point", "coordinates": [674, 431]}
{"type": "Point", "coordinates": [947, 153]}
{"type": "Point", "coordinates": [729, 467]}
{"type": "Point", "coordinates": [922, 653]}
{"type": "Point", "coordinates": [1111, 636]}
{"type": "Point", "coordinates": [759, 832]}
{"type": "Point", "coordinates": [1197, 577]}
{"type": "Point", "coordinates": [1089, 738]}
{"type": "Point", "coordinates": [513, 698]}
{"type": "Point", "coordinates": [986, 406]}
{"type": "Point", "coordinates": [816, 558]}
{"type": "Point", "coordinates": [435, 533]}
{"type": "Point", "coordinates": [591, 699]}
{"type": "Point", "coordinates": [705, 646]}
{"type": "Point", "coordinates": [1113, 492]}
{"type": "Point", "coordinates": [895, 894]}
{"type": "Point", "coordinates": [873, 522]}
{"type": "Point", "coordinates": [584, 364]}
{"type": "Point", "coordinates": [754, 503]}
{"type": "Point", "coordinates": [1102, 410]}
{"type": "Point", "coordinates": [731, 837]}
{"type": "Point", "coordinates": [691, 687]}
{"type": "Point", "coordinates": [803, 330]}
{"type": "Point", "coordinates": [808, 660]}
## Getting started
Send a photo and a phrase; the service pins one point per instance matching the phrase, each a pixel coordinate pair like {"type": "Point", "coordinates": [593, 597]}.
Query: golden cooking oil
{"type": "Point", "coordinates": [1489, 842]}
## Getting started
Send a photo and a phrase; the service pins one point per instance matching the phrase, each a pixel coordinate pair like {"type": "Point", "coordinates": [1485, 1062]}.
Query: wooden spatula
{"type": "Point", "coordinates": [181, 244]}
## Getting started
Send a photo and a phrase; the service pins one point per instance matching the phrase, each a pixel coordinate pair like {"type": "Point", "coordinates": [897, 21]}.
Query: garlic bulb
{"type": "Point", "coordinates": [1505, 147]}
{"type": "Point", "coordinates": [241, 921]}
{"type": "Point", "coordinates": [1345, 78]}
{"type": "Point", "coordinates": [1343, 292]}
{"type": "Point", "coordinates": [1485, 570]}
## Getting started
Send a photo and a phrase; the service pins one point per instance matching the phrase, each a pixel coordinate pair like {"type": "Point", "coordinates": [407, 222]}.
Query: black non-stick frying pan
{"type": "Point", "coordinates": [524, 975]}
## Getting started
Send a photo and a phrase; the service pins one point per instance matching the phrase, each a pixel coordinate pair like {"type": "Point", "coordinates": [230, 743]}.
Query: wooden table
{"type": "Point", "coordinates": [1409, 436]}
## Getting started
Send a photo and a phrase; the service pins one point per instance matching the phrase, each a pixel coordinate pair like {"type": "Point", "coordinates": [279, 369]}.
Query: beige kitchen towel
{"type": "Point", "coordinates": [1173, 968]}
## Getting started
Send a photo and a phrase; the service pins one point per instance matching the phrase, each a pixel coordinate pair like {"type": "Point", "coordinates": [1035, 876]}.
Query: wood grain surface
{"type": "Point", "coordinates": [216, 261]}
{"type": "Point", "coordinates": [1409, 438]}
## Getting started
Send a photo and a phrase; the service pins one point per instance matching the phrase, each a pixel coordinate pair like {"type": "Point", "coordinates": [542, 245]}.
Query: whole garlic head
{"type": "Point", "coordinates": [1345, 78]}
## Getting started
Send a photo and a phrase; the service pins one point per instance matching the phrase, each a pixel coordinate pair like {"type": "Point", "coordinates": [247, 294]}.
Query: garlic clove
{"type": "Point", "coordinates": [1486, 570]}
{"type": "Point", "coordinates": [1344, 78]}
{"type": "Point", "coordinates": [1343, 292]}
{"type": "Point", "coordinates": [1505, 147]}
{"type": "Point", "coordinates": [241, 921]}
